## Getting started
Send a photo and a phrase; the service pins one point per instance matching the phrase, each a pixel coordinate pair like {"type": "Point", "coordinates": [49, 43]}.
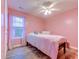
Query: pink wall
{"type": "Point", "coordinates": [65, 24]}
{"type": "Point", "coordinates": [62, 24]}
{"type": "Point", "coordinates": [32, 23]}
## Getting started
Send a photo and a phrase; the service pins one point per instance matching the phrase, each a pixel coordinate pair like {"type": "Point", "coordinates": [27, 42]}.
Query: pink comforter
{"type": "Point", "coordinates": [48, 44]}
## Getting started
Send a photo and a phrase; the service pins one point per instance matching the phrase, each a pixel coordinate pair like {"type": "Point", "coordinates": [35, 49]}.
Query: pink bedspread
{"type": "Point", "coordinates": [48, 44]}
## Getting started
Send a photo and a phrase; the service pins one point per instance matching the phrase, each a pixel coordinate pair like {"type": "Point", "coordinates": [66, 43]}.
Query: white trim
{"type": "Point", "coordinates": [74, 48]}
{"type": "Point", "coordinates": [6, 27]}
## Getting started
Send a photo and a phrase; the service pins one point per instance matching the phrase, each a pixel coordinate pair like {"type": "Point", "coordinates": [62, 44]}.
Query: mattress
{"type": "Point", "coordinates": [53, 38]}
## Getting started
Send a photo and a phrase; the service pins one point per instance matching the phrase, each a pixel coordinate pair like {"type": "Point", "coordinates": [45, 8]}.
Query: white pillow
{"type": "Point", "coordinates": [45, 32]}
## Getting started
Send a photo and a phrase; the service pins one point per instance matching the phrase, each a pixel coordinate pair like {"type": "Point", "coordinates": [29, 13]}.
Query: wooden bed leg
{"type": "Point", "coordinates": [27, 44]}
{"type": "Point", "coordinates": [64, 48]}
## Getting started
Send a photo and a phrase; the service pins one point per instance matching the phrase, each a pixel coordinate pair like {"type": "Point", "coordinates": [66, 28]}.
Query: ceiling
{"type": "Point", "coordinates": [33, 6]}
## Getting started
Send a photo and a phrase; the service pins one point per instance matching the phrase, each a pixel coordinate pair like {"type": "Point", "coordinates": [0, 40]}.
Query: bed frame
{"type": "Point", "coordinates": [63, 45]}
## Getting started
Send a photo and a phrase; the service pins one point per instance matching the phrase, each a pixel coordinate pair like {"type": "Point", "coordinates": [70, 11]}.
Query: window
{"type": "Point", "coordinates": [17, 27]}
{"type": "Point", "coordinates": [18, 22]}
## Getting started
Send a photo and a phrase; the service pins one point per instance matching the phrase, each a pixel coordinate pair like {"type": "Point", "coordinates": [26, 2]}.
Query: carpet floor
{"type": "Point", "coordinates": [29, 52]}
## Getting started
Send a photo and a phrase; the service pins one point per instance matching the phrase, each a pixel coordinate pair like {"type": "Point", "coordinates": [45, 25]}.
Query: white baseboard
{"type": "Point", "coordinates": [16, 46]}
{"type": "Point", "coordinates": [74, 48]}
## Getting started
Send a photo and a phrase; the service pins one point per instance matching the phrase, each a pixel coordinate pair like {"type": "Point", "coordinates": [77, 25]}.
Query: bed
{"type": "Point", "coordinates": [48, 44]}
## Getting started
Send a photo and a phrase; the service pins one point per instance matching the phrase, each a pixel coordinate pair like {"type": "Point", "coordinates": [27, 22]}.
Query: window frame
{"type": "Point", "coordinates": [13, 27]}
